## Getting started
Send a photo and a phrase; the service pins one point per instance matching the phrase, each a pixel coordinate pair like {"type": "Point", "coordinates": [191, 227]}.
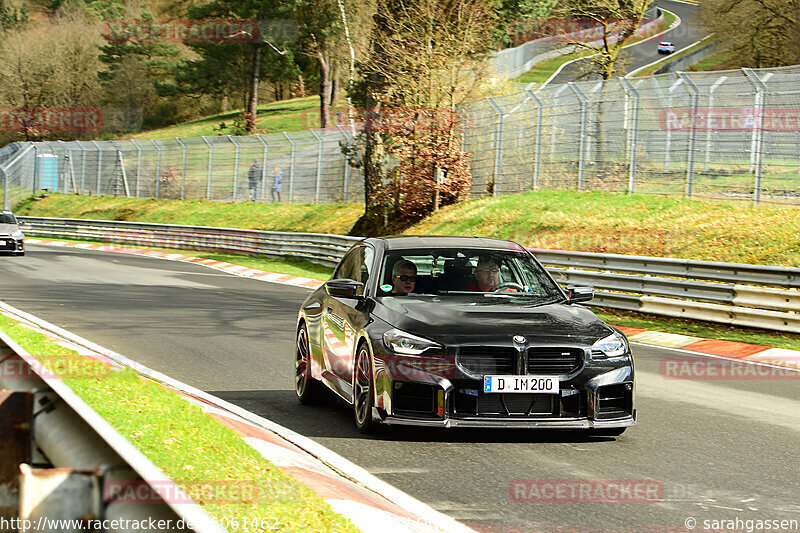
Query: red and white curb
{"type": "Point", "coordinates": [368, 503]}
{"type": "Point", "coordinates": [230, 268]}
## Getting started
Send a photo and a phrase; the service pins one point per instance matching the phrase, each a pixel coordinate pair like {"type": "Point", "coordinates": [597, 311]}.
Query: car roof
{"type": "Point", "coordinates": [666, 42]}
{"type": "Point", "coordinates": [405, 242]}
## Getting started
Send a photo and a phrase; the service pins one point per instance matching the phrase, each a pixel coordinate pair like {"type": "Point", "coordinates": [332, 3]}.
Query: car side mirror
{"type": "Point", "coordinates": [579, 294]}
{"type": "Point", "coordinates": [343, 288]}
{"type": "Point", "coordinates": [20, 222]}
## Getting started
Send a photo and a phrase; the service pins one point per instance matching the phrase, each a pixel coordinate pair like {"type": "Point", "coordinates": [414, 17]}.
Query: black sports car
{"type": "Point", "coordinates": [451, 331]}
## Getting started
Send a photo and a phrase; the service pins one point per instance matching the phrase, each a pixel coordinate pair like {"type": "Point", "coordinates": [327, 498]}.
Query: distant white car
{"type": "Point", "coordinates": [665, 47]}
{"type": "Point", "coordinates": [11, 238]}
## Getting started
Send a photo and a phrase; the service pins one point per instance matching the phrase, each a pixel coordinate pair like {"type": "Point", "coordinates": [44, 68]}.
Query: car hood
{"type": "Point", "coordinates": [490, 320]}
{"type": "Point", "coordinates": [7, 229]}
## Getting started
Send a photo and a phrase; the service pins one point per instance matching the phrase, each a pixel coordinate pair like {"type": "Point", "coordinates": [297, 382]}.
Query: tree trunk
{"type": "Point", "coordinates": [324, 91]}
{"type": "Point", "coordinates": [334, 86]}
{"type": "Point", "coordinates": [252, 107]}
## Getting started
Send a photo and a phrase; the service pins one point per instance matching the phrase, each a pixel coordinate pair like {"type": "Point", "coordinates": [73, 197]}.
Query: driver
{"type": "Point", "coordinates": [404, 277]}
{"type": "Point", "coordinates": [487, 275]}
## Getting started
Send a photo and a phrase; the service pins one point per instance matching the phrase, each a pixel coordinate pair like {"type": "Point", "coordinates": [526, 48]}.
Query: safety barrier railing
{"type": "Point", "coordinates": [731, 293]}
{"type": "Point", "coordinates": [64, 462]}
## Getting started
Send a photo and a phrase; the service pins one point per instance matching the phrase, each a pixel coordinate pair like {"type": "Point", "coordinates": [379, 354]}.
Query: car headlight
{"type": "Point", "coordinates": [405, 343]}
{"type": "Point", "coordinates": [614, 345]}
{"type": "Point", "coordinates": [17, 234]}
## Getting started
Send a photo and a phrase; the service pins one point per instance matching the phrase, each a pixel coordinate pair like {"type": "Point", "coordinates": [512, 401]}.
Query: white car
{"type": "Point", "coordinates": [11, 237]}
{"type": "Point", "coordinates": [665, 47]}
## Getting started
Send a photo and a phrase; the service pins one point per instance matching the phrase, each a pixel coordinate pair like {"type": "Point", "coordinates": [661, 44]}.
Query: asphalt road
{"type": "Point", "coordinates": [720, 450]}
{"type": "Point", "coordinates": [644, 52]}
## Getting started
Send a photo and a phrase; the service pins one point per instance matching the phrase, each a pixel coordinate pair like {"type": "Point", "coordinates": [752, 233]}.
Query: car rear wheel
{"type": "Point", "coordinates": [363, 391]}
{"type": "Point", "coordinates": [308, 389]}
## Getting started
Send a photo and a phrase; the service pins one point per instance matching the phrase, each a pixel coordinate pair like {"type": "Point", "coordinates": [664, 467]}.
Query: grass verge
{"type": "Point", "coordinates": [191, 448]}
{"type": "Point", "coordinates": [297, 114]}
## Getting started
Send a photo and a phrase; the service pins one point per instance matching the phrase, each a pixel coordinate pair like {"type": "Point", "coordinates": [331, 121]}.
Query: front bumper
{"type": "Point", "coordinates": [512, 423]}
{"type": "Point", "coordinates": [11, 245]}
{"type": "Point", "coordinates": [438, 393]}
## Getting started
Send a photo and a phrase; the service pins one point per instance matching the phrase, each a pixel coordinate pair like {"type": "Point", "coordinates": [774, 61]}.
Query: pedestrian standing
{"type": "Point", "coordinates": [276, 184]}
{"type": "Point", "coordinates": [254, 176]}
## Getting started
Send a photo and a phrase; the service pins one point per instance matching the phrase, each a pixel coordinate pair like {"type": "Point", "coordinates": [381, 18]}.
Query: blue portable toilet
{"type": "Point", "coordinates": [48, 171]}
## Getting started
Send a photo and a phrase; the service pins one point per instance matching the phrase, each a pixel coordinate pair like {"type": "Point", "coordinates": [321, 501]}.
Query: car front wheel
{"type": "Point", "coordinates": [307, 388]}
{"type": "Point", "coordinates": [363, 391]}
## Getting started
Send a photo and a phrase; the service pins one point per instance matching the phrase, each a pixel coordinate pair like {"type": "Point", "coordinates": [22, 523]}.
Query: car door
{"type": "Point", "coordinates": [343, 318]}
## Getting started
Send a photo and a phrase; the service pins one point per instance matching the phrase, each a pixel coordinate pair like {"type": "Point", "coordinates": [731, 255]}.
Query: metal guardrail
{"type": "Point", "coordinates": [317, 247]}
{"type": "Point", "coordinates": [62, 457]}
{"type": "Point", "coordinates": [731, 293]}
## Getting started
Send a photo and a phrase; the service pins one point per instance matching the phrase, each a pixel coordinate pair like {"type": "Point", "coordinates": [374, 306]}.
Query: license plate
{"type": "Point", "coordinates": [540, 384]}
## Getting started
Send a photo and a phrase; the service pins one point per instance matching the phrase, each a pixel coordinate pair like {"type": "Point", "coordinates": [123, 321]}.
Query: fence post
{"type": "Point", "coordinates": [210, 166]}
{"type": "Point", "coordinates": [561, 89]}
{"type": "Point", "coordinates": [99, 190]}
{"type": "Point", "coordinates": [183, 174]}
{"type": "Point", "coordinates": [138, 165]}
{"type": "Point", "coordinates": [291, 168]}
{"type": "Point", "coordinates": [83, 166]}
{"type": "Point", "coordinates": [537, 143]}
{"type": "Point", "coordinates": [346, 161]}
{"type": "Point", "coordinates": [158, 167]}
{"type": "Point", "coordinates": [5, 187]}
{"type": "Point", "coordinates": [121, 162]}
{"type": "Point", "coordinates": [498, 149]}
{"type": "Point", "coordinates": [672, 88]}
{"type": "Point", "coordinates": [235, 167]}
{"type": "Point", "coordinates": [263, 167]}
{"type": "Point", "coordinates": [694, 96]}
{"type": "Point", "coordinates": [758, 131]}
{"type": "Point", "coordinates": [710, 114]}
{"type": "Point", "coordinates": [633, 129]}
{"type": "Point", "coordinates": [582, 150]}
{"type": "Point", "coordinates": [319, 164]}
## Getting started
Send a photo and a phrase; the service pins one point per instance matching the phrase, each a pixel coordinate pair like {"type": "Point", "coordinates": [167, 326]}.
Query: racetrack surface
{"type": "Point", "coordinates": [717, 449]}
{"type": "Point", "coordinates": [644, 52]}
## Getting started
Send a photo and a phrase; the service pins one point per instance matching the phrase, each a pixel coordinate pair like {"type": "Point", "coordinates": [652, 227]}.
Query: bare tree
{"type": "Point", "coordinates": [616, 22]}
{"type": "Point", "coordinates": [758, 33]}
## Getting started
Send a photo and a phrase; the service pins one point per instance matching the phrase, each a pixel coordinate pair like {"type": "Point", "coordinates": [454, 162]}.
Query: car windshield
{"type": "Point", "coordinates": [459, 273]}
{"type": "Point", "coordinates": [7, 218]}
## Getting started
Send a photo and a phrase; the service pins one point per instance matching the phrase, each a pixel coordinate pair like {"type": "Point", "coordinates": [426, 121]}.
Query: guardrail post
{"type": "Point", "coordinates": [668, 147]}
{"type": "Point", "coordinates": [263, 167]}
{"type": "Point", "coordinates": [183, 174]}
{"type": "Point", "coordinates": [694, 94]}
{"type": "Point", "coordinates": [709, 116]}
{"type": "Point", "coordinates": [537, 143]}
{"type": "Point", "coordinates": [210, 166]}
{"type": "Point", "coordinates": [319, 164]}
{"type": "Point", "coordinates": [235, 167]}
{"type": "Point", "coordinates": [633, 94]}
{"type": "Point", "coordinates": [291, 168]}
{"type": "Point", "coordinates": [158, 167]}
{"type": "Point", "coordinates": [99, 190]}
{"type": "Point", "coordinates": [756, 156]}
{"type": "Point", "coordinates": [582, 150]}
{"type": "Point", "coordinates": [138, 165]}
{"type": "Point", "coordinates": [498, 148]}
{"type": "Point", "coordinates": [347, 160]}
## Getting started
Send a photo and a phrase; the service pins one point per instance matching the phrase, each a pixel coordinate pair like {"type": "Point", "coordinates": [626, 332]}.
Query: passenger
{"type": "Point", "coordinates": [404, 277]}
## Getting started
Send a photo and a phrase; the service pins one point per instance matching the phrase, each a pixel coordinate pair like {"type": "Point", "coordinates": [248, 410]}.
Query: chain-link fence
{"type": "Point", "coordinates": [732, 134]}
{"type": "Point", "coordinates": [312, 165]}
